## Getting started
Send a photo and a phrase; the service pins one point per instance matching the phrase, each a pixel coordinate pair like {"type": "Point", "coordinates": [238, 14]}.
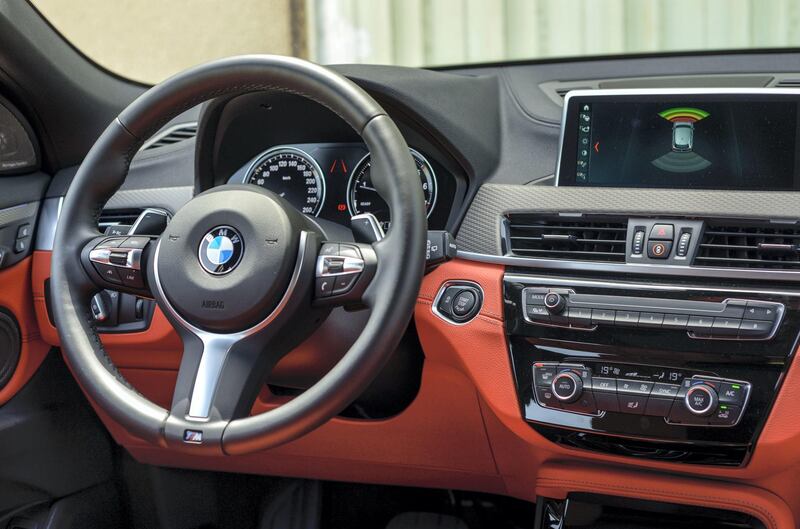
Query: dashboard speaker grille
{"type": "Point", "coordinates": [553, 237]}
{"type": "Point", "coordinates": [749, 245]}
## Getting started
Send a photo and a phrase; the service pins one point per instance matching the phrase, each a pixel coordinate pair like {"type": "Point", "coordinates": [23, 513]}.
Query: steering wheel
{"type": "Point", "coordinates": [241, 275]}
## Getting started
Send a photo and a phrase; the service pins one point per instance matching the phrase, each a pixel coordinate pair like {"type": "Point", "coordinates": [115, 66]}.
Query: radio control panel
{"type": "Point", "coordinates": [731, 319]}
{"type": "Point", "coordinates": [677, 397]}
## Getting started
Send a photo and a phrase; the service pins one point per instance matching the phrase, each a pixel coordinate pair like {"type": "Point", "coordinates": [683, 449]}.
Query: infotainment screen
{"type": "Point", "coordinates": [681, 139]}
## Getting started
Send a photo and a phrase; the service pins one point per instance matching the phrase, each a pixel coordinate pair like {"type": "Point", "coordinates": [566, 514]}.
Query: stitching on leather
{"type": "Point", "coordinates": [753, 508]}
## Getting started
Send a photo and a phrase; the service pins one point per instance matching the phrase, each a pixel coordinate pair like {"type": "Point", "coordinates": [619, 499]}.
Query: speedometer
{"type": "Point", "coordinates": [292, 174]}
{"type": "Point", "coordinates": [362, 197]}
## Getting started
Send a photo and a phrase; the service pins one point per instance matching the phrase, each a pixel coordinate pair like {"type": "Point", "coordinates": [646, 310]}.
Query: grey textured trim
{"type": "Point", "coordinates": [168, 198]}
{"type": "Point", "coordinates": [48, 221]}
{"type": "Point", "coordinates": [480, 231]}
{"type": "Point", "coordinates": [18, 213]}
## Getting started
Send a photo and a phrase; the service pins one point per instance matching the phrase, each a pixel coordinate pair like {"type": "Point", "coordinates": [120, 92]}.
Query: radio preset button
{"type": "Point", "coordinates": [626, 318]}
{"type": "Point", "coordinates": [755, 329]}
{"type": "Point", "coordinates": [675, 321]}
{"type": "Point", "coordinates": [650, 319]}
{"type": "Point", "coordinates": [600, 316]}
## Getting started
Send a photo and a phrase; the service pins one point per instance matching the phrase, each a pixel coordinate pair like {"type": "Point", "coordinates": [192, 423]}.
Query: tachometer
{"type": "Point", "coordinates": [292, 174]}
{"type": "Point", "coordinates": [363, 198]}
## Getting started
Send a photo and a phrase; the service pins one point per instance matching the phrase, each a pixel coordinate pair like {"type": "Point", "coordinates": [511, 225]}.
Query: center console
{"type": "Point", "coordinates": [679, 372]}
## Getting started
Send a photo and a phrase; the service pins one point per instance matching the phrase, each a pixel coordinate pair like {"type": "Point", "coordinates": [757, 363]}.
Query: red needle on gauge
{"type": "Point", "coordinates": [597, 147]}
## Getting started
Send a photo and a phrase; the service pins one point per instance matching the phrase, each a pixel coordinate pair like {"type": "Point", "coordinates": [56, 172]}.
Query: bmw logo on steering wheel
{"type": "Point", "coordinates": [221, 250]}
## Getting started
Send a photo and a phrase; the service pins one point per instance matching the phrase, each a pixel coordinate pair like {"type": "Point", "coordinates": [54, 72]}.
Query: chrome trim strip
{"type": "Point", "coordinates": [48, 221]}
{"type": "Point", "coordinates": [133, 257]}
{"type": "Point", "coordinates": [217, 345]}
{"type": "Point", "coordinates": [563, 281]}
{"type": "Point", "coordinates": [754, 274]}
{"type": "Point", "coordinates": [656, 91]}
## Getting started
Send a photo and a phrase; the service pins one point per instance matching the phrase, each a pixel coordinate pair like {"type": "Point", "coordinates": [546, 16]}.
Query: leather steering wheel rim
{"type": "Point", "coordinates": [391, 295]}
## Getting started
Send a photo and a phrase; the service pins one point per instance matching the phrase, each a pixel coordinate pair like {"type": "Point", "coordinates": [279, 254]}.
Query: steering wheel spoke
{"type": "Point", "coordinates": [118, 263]}
{"type": "Point", "coordinates": [343, 272]}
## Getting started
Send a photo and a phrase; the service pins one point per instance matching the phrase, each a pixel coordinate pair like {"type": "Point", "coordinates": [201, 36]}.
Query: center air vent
{"type": "Point", "coordinates": [749, 245]}
{"type": "Point", "coordinates": [584, 239]}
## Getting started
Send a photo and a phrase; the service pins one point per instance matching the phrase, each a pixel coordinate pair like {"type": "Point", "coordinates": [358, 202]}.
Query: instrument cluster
{"type": "Point", "coordinates": [334, 181]}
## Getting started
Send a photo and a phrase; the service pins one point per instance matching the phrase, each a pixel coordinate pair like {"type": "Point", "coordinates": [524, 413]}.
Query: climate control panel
{"type": "Point", "coordinates": [678, 397]}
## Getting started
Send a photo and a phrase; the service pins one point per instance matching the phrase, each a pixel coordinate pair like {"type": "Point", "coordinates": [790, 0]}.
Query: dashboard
{"type": "Point", "coordinates": [654, 266]}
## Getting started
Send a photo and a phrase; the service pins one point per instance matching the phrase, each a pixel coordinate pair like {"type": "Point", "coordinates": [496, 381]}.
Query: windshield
{"type": "Point", "coordinates": [149, 40]}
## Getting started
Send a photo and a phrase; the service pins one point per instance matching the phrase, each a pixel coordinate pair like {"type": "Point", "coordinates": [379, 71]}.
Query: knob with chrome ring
{"type": "Point", "coordinates": [567, 386]}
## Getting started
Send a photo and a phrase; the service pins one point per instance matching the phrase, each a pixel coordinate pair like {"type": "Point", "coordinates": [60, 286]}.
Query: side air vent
{"type": "Point", "coordinates": [117, 218]}
{"type": "Point", "coordinates": [584, 239]}
{"type": "Point", "coordinates": [172, 135]}
{"type": "Point", "coordinates": [749, 245]}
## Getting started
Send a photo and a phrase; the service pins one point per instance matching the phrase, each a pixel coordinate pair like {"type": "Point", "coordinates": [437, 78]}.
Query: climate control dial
{"type": "Point", "coordinates": [567, 386]}
{"type": "Point", "coordinates": [701, 400]}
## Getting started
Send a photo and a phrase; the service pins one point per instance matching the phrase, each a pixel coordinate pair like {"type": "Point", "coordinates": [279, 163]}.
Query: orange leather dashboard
{"type": "Point", "coordinates": [465, 429]}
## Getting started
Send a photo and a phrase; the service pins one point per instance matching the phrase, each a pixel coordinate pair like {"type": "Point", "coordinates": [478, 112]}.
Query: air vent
{"type": "Point", "coordinates": [749, 245]}
{"type": "Point", "coordinates": [788, 82]}
{"type": "Point", "coordinates": [584, 239]}
{"type": "Point", "coordinates": [172, 135]}
{"type": "Point", "coordinates": [117, 217]}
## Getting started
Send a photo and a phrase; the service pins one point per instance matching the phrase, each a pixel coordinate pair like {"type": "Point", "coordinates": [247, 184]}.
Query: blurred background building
{"type": "Point", "coordinates": [147, 40]}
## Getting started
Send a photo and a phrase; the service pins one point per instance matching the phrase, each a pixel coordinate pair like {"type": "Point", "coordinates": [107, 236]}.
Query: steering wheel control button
{"type": "Point", "coordinates": [658, 249]}
{"type": "Point", "coordinates": [567, 386]}
{"type": "Point", "coordinates": [324, 287]}
{"type": "Point", "coordinates": [219, 252]}
{"type": "Point", "coordinates": [701, 400]}
{"type": "Point", "coordinates": [343, 283]}
{"type": "Point", "coordinates": [111, 242]}
{"type": "Point", "coordinates": [131, 278]}
{"type": "Point", "coordinates": [662, 232]}
{"type": "Point", "coordinates": [109, 273]}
